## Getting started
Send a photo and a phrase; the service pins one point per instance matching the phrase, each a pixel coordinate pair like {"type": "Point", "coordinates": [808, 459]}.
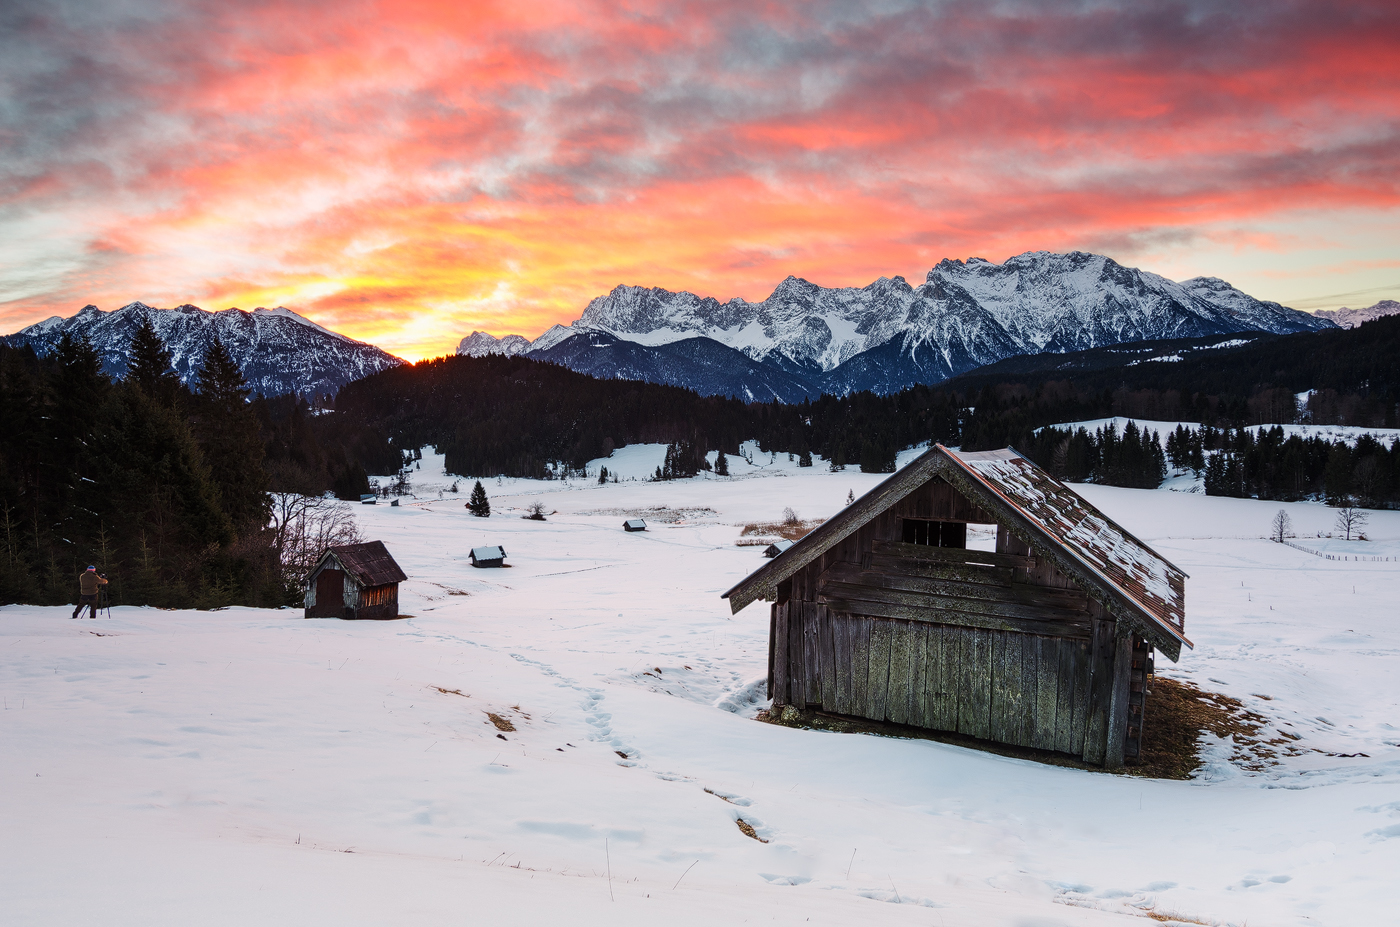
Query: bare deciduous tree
{"type": "Point", "coordinates": [304, 526]}
{"type": "Point", "coordinates": [1281, 527]}
{"type": "Point", "coordinates": [1351, 520]}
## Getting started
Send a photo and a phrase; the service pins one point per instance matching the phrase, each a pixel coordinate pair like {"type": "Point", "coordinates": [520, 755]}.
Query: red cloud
{"type": "Point", "coordinates": [410, 171]}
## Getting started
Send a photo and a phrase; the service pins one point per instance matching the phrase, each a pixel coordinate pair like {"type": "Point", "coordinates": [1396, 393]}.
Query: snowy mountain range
{"type": "Point", "coordinates": [806, 339]}
{"type": "Point", "coordinates": [479, 344]}
{"type": "Point", "coordinates": [1350, 318]}
{"type": "Point", "coordinates": [279, 351]}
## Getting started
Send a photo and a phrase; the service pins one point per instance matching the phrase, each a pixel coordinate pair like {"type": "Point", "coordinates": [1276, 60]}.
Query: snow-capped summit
{"type": "Point", "coordinates": [1350, 318]}
{"type": "Point", "coordinates": [278, 350]}
{"type": "Point", "coordinates": [889, 334]}
{"type": "Point", "coordinates": [479, 344]}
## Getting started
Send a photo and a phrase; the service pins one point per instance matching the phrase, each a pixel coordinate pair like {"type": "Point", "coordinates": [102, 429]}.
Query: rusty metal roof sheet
{"type": "Point", "coordinates": [369, 563]}
{"type": "Point", "coordinates": [1155, 584]}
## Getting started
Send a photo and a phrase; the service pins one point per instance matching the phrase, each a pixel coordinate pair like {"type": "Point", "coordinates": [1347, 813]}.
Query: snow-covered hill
{"type": "Point", "coordinates": [1350, 318]}
{"type": "Point", "coordinates": [231, 768]}
{"type": "Point", "coordinates": [891, 334]}
{"type": "Point", "coordinates": [279, 351]}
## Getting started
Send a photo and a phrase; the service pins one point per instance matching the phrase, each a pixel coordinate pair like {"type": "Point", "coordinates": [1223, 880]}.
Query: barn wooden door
{"type": "Point", "coordinates": [330, 595]}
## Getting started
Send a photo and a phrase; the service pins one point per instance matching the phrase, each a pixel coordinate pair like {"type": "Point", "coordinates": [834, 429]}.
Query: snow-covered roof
{"type": "Point", "coordinates": [635, 524]}
{"type": "Point", "coordinates": [1156, 585]}
{"type": "Point", "coordinates": [493, 552]}
{"type": "Point", "coordinates": [777, 547]}
{"type": "Point", "coordinates": [1129, 578]}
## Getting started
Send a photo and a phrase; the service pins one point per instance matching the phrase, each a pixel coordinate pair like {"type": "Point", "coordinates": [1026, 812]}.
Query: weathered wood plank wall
{"type": "Point", "coordinates": [996, 685]}
{"type": "Point", "coordinates": [996, 645]}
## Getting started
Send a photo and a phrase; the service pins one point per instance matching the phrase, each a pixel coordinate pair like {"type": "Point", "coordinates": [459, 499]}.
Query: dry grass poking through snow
{"type": "Point", "coordinates": [661, 514]}
{"type": "Point", "coordinates": [1177, 713]}
{"type": "Point", "coordinates": [748, 830]}
{"type": "Point", "coordinates": [761, 534]}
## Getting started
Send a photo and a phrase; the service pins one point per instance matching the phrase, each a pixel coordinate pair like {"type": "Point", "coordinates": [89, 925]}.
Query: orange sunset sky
{"type": "Point", "coordinates": [407, 172]}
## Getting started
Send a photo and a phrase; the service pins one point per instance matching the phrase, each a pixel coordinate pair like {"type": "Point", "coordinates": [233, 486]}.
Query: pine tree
{"type": "Point", "coordinates": [152, 365]}
{"type": "Point", "coordinates": [229, 435]}
{"type": "Point", "coordinates": [78, 391]}
{"type": "Point", "coordinates": [479, 505]}
{"type": "Point", "coordinates": [721, 464]}
{"type": "Point", "coordinates": [805, 458]}
{"type": "Point", "coordinates": [602, 475]}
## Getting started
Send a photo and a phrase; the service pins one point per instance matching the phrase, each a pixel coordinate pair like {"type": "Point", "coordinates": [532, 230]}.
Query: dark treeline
{"type": "Point", "coordinates": [160, 487]}
{"type": "Point", "coordinates": [1263, 463]}
{"type": "Point", "coordinates": [508, 415]}
{"type": "Point", "coordinates": [1352, 373]}
{"type": "Point", "coordinates": [1267, 464]}
{"type": "Point", "coordinates": [1134, 458]}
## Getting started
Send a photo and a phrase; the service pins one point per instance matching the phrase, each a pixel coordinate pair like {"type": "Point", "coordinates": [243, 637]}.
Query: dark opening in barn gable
{"type": "Point", "coordinates": [934, 533]}
{"type": "Point", "coordinates": [884, 613]}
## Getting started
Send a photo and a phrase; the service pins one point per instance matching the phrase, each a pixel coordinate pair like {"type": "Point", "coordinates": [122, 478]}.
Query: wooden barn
{"type": "Point", "coordinates": [354, 581]}
{"type": "Point", "coordinates": [634, 524]}
{"type": "Point", "coordinates": [884, 613]}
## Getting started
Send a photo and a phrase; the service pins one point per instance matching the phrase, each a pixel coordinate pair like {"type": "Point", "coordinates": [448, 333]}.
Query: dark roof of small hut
{"type": "Point", "coordinates": [369, 563]}
{"type": "Point", "coordinates": [1129, 578]}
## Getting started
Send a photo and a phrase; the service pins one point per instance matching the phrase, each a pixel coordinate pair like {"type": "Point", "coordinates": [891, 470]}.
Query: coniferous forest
{"type": "Point", "coordinates": [161, 487]}
{"type": "Point", "coordinates": [166, 488]}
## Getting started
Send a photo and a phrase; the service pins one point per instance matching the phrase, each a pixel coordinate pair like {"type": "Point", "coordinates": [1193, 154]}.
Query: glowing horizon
{"type": "Point", "coordinates": [408, 173]}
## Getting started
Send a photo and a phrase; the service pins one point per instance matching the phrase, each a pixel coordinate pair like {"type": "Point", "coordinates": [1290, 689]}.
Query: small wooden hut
{"type": "Point", "coordinates": [634, 524]}
{"type": "Point", "coordinates": [493, 556]}
{"type": "Point", "coordinates": [354, 581]}
{"type": "Point", "coordinates": [776, 548]}
{"type": "Point", "coordinates": [883, 612]}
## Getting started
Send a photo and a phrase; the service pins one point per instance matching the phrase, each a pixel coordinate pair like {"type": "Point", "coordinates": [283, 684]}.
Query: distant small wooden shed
{"type": "Point", "coordinates": [635, 524]}
{"type": "Point", "coordinates": [776, 548]}
{"type": "Point", "coordinates": [883, 613]}
{"type": "Point", "coordinates": [491, 556]}
{"type": "Point", "coordinates": [354, 581]}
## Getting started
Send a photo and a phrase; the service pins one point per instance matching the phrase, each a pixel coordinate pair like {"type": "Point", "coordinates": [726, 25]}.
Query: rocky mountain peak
{"type": "Point", "coordinates": [1350, 318]}
{"type": "Point", "coordinates": [480, 344]}
{"type": "Point", "coordinates": [887, 334]}
{"type": "Point", "coordinates": [278, 351]}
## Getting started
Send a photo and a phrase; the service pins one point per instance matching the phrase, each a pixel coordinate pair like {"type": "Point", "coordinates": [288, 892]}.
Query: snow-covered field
{"type": "Point", "coordinates": [171, 767]}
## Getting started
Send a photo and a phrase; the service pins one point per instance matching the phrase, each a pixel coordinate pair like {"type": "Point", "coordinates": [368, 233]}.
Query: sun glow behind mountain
{"type": "Point", "coordinates": [406, 173]}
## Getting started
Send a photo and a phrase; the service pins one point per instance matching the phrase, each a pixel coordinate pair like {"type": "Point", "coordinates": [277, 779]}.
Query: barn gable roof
{"type": "Point", "coordinates": [1130, 579]}
{"type": "Point", "coordinates": [369, 563]}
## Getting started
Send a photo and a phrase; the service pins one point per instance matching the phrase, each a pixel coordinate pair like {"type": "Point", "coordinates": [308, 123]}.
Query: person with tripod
{"type": "Point", "coordinates": [89, 582]}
